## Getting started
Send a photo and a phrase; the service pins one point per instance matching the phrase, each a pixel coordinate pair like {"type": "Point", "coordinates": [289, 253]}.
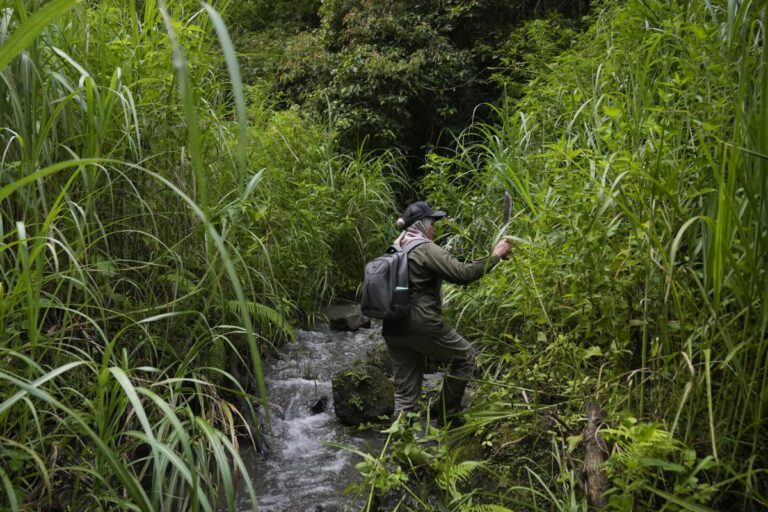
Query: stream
{"type": "Point", "coordinates": [299, 471]}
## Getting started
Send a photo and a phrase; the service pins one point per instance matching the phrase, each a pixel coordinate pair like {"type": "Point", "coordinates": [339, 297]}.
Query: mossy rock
{"type": "Point", "coordinates": [379, 357]}
{"type": "Point", "coordinates": [362, 394]}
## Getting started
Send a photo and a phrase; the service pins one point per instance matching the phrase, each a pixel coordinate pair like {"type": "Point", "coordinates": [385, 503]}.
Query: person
{"type": "Point", "coordinates": [424, 332]}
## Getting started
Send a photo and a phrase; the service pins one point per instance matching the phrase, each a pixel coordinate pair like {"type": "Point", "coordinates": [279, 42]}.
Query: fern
{"type": "Point", "coordinates": [488, 508]}
{"type": "Point", "coordinates": [265, 315]}
{"type": "Point", "coordinates": [450, 474]}
{"type": "Point", "coordinates": [183, 280]}
{"type": "Point", "coordinates": [462, 471]}
{"type": "Point", "coordinates": [216, 355]}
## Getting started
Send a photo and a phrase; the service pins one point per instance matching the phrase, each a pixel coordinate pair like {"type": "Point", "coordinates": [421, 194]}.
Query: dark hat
{"type": "Point", "coordinates": [415, 212]}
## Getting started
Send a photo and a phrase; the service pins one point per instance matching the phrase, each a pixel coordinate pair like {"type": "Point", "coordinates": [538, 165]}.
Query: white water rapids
{"type": "Point", "coordinates": [301, 472]}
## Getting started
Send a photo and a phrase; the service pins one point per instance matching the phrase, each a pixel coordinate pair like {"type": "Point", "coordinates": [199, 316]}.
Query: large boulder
{"type": "Point", "coordinates": [346, 318]}
{"type": "Point", "coordinates": [362, 393]}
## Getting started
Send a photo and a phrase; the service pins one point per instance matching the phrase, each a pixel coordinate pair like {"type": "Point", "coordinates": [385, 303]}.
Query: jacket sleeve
{"type": "Point", "coordinates": [450, 269]}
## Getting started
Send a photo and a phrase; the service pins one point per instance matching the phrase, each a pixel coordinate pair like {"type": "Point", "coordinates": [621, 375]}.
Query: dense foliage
{"type": "Point", "coordinates": [149, 253]}
{"type": "Point", "coordinates": [637, 169]}
{"type": "Point", "coordinates": [396, 73]}
{"type": "Point", "coordinates": [162, 226]}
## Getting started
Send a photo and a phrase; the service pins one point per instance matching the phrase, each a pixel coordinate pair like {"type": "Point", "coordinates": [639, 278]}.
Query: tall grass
{"type": "Point", "coordinates": [150, 252]}
{"type": "Point", "coordinates": [637, 168]}
{"type": "Point", "coordinates": [322, 213]}
{"type": "Point", "coordinates": [100, 303]}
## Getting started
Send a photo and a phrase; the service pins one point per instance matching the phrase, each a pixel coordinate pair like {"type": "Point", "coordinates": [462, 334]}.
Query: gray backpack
{"type": "Point", "coordinates": [385, 285]}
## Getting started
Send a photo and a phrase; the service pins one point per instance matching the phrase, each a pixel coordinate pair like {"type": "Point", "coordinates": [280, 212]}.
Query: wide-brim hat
{"type": "Point", "coordinates": [417, 211]}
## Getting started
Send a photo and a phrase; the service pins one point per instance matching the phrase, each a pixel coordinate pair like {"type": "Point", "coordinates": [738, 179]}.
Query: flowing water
{"type": "Point", "coordinates": [301, 471]}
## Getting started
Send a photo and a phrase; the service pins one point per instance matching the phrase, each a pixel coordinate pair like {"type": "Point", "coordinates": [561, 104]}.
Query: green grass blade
{"type": "Point", "coordinates": [237, 84]}
{"type": "Point", "coordinates": [187, 96]}
{"type": "Point", "coordinates": [9, 490]}
{"type": "Point", "coordinates": [685, 505]}
{"type": "Point", "coordinates": [26, 33]}
{"type": "Point", "coordinates": [6, 404]}
{"type": "Point", "coordinates": [42, 173]}
{"type": "Point", "coordinates": [129, 481]}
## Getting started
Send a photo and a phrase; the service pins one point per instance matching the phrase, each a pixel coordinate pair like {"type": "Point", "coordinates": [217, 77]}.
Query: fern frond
{"type": "Point", "coordinates": [183, 280]}
{"type": "Point", "coordinates": [451, 474]}
{"type": "Point", "coordinates": [462, 471]}
{"type": "Point", "coordinates": [216, 355]}
{"type": "Point", "coordinates": [263, 314]}
{"type": "Point", "coordinates": [488, 508]}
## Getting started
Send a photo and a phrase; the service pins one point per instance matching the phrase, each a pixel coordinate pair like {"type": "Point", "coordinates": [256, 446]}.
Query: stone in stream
{"type": "Point", "coordinates": [346, 318]}
{"type": "Point", "coordinates": [320, 406]}
{"type": "Point", "coordinates": [327, 508]}
{"type": "Point", "coordinates": [362, 393]}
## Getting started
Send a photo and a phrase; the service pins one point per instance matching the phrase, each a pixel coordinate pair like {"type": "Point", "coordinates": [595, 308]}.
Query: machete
{"type": "Point", "coordinates": [506, 213]}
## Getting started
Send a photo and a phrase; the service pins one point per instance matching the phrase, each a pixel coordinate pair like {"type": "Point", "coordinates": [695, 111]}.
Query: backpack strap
{"type": "Point", "coordinates": [408, 247]}
{"type": "Point", "coordinates": [413, 244]}
{"type": "Point", "coordinates": [403, 281]}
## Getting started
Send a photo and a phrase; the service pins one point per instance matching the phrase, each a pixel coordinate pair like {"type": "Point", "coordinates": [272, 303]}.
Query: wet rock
{"type": "Point", "coordinates": [379, 356]}
{"type": "Point", "coordinates": [346, 318]}
{"type": "Point", "coordinates": [320, 406]}
{"type": "Point", "coordinates": [362, 394]}
{"type": "Point", "coordinates": [327, 508]}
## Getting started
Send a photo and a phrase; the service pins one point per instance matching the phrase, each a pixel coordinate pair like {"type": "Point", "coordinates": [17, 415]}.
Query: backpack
{"type": "Point", "coordinates": [385, 285]}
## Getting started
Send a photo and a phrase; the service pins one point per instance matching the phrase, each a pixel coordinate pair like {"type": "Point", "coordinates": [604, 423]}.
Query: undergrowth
{"type": "Point", "coordinates": [637, 167]}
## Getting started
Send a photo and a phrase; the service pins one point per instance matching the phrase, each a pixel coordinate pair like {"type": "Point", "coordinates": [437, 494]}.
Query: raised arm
{"type": "Point", "coordinates": [450, 269]}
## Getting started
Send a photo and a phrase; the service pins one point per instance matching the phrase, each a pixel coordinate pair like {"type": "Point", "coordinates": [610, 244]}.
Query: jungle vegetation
{"type": "Point", "coordinates": [182, 184]}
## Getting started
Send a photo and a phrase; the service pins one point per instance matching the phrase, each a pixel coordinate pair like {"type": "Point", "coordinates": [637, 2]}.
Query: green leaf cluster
{"type": "Point", "coordinates": [645, 457]}
{"type": "Point", "coordinates": [395, 74]}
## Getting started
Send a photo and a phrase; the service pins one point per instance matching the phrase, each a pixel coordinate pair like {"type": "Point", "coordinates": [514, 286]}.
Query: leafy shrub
{"type": "Point", "coordinates": [644, 457]}
{"type": "Point", "coordinates": [394, 74]}
{"type": "Point", "coordinates": [319, 216]}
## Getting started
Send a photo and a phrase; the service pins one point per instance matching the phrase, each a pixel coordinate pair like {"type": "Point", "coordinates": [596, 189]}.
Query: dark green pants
{"type": "Point", "coordinates": [409, 353]}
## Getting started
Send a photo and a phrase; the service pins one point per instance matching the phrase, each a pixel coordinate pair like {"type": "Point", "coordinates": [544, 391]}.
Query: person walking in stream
{"type": "Point", "coordinates": [423, 332]}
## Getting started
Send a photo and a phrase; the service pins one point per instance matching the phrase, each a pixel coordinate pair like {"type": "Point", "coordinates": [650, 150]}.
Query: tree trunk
{"type": "Point", "coordinates": [596, 482]}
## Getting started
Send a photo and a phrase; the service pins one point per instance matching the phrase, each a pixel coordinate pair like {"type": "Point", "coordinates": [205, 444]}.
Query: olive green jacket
{"type": "Point", "coordinates": [428, 265]}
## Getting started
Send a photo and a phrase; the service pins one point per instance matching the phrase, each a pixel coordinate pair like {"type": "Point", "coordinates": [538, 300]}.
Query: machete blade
{"type": "Point", "coordinates": [506, 212]}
